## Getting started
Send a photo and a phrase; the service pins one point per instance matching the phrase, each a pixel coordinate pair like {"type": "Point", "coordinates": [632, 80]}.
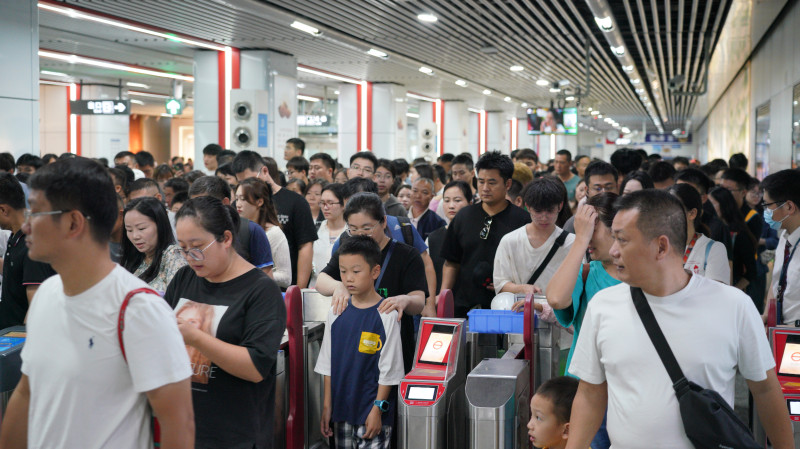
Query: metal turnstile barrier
{"type": "Point", "coordinates": [785, 344]}
{"type": "Point", "coordinates": [315, 313]}
{"type": "Point", "coordinates": [541, 346]}
{"type": "Point", "coordinates": [497, 393]}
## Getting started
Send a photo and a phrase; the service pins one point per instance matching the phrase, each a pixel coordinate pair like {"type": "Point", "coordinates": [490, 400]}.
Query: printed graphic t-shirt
{"type": "Point", "coordinates": [246, 311]}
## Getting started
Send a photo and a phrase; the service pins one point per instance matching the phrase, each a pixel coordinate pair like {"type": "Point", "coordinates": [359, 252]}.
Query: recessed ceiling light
{"type": "Point", "coordinates": [507, 99]}
{"type": "Point", "coordinates": [605, 23]}
{"type": "Point", "coordinates": [570, 98]}
{"type": "Point", "coordinates": [307, 98]}
{"type": "Point", "coordinates": [487, 92]}
{"type": "Point", "coordinates": [524, 105]}
{"type": "Point", "coordinates": [555, 89]}
{"type": "Point", "coordinates": [636, 81]}
{"type": "Point", "coordinates": [627, 68]}
{"type": "Point", "coordinates": [305, 28]}
{"type": "Point", "coordinates": [619, 51]}
{"type": "Point", "coordinates": [426, 17]}
{"type": "Point", "coordinates": [426, 70]}
{"type": "Point", "coordinates": [48, 72]}
{"type": "Point", "coordinates": [516, 68]}
{"type": "Point", "coordinates": [336, 92]}
{"type": "Point", "coordinates": [377, 53]}
{"type": "Point", "coordinates": [301, 85]}
{"type": "Point", "coordinates": [599, 115]}
{"type": "Point", "coordinates": [139, 102]}
{"type": "Point", "coordinates": [139, 85]}
{"type": "Point", "coordinates": [542, 82]}
{"type": "Point", "coordinates": [461, 83]}
{"type": "Point", "coordinates": [595, 112]}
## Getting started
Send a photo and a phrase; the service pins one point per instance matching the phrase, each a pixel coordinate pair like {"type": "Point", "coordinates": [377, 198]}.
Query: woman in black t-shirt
{"type": "Point", "coordinates": [232, 318]}
{"type": "Point", "coordinates": [455, 196]}
{"type": "Point", "coordinates": [743, 263]}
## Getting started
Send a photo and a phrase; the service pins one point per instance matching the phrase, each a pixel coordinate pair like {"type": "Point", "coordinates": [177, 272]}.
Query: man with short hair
{"type": "Point", "coordinates": [446, 161]}
{"type": "Point", "coordinates": [663, 174]}
{"type": "Point", "coordinates": [463, 170]}
{"type": "Point", "coordinates": [384, 178]}
{"type": "Point", "coordinates": [146, 163]}
{"type": "Point", "coordinates": [362, 165]}
{"type": "Point", "coordinates": [294, 147]}
{"type": "Point", "coordinates": [680, 163]}
{"type": "Point", "coordinates": [293, 210]}
{"type": "Point", "coordinates": [172, 187]}
{"type": "Point", "coordinates": [600, 177]}
{"type": "Point", "coordinates": [782, 213]}
{"type": "Point", "coordinates": [626, 161]}
{"type": "Point", "coordinates": [321, 166]}
{"type": "Point", "coordinates": [224, 157]}
{"type": "Point", "coordinates": [529, 157]}
{"type": "Point", "coordinates": [76, 345]}
{"type": "Point", "coordinates": [475, 232]}
{"type": "Point", "coordinates": [21, 275]}
{"type": "Point", "coordinates": [29, 163]}
{"type": "Point", "coordinates": [711, 328]}
{"type": "Point", "coordinates": [210, 153]}
{"type": "Point", "coordinates": [563, 166]}
{"type": "Point", "coordinates": [738, 160]}
{"type": "Point", "coordinates": [297, 168]}
{"type": "Point", "coordinates": [128, 159]}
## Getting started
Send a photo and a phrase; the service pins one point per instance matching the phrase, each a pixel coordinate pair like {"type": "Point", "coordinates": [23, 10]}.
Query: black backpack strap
{"type": "Point", "coordinates": [406, 228]}
{"type": "Point", "coordinates": [679, 381]}
{"type": "Point", "coordinates": [558, 244]}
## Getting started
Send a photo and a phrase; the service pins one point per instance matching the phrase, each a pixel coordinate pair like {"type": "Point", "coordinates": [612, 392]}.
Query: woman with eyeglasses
{"type": "Point", "coordinates": [456, 196]}
{"type": "Point", "coordinates": [254, 202]}
{"type": "Point", "coordinates": [233, 315]}
{"type": "Point", "coordinates": [332, 205]}
{"type": "Point", "coordinates": [148, 248]}
{"type": "Point", "coordinates": [402, 280]}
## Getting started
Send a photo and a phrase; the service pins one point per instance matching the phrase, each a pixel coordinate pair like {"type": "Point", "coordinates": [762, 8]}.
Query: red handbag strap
{"type": "Point", "coordinates": [121, 319]}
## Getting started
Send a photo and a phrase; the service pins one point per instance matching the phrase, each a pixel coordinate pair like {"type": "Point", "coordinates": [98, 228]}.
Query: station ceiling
{"type": "Point", "coordinates": [473, 40]}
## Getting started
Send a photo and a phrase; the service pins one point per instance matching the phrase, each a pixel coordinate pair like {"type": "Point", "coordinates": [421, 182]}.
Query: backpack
{"type": "Point", "coordinates": [407, 229]}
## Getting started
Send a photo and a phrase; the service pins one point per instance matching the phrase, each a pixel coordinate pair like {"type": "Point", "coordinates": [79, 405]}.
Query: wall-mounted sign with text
{"type": "Point", "coordinates": [100, 107]}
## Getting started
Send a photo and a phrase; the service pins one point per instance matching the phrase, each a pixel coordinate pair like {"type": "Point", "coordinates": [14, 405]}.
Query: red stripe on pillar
{"type": "Point", "coordinates": [480, 134]}
{"type": "Point", "coordinates": [486, 131]}
{"type": "Point", "coordinates": [369, 116]}
{"type": "Point", "coordinates": [236, 77]}
{"type": "Point", "coordinates": [69, 125]}
{"type": "Point", "coordinates": [358, 115]}
{"type": "Point", "coordinates": [221, 97]}
{"type": "Point", "coordinates": [433, 106]}
{"type": "Point", "coordinates": [78, 124]}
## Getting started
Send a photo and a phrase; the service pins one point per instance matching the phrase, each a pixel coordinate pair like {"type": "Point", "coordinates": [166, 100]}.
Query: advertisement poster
{"type": "Point", "coordinates": [284, 114]}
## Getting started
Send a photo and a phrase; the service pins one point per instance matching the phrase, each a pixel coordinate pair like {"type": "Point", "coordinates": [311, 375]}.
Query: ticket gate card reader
{"type": "Point", "coordinates": [11, 342]}
{"type": "Point", "coordinates": [785, 344]}
{"type": "Point", "coordinates": [431, 411]}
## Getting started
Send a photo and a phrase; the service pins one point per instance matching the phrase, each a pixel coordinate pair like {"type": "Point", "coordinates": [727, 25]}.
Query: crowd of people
{"type": "Point", "coordinates": [155, 289]}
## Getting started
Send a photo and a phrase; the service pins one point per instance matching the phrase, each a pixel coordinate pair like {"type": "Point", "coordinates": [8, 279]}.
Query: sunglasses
{"type": "Point", "coordinates": [487, 225]}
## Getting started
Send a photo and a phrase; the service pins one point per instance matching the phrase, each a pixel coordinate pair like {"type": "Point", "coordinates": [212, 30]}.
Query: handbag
{"type": "Point", "coordinates": [708, 420]}
{"type": "Point", "coordinates": [121, 327]}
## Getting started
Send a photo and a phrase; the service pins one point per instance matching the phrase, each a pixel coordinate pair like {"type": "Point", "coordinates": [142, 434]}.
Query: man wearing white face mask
{"type": "Point", "coordinates": [782, 212]}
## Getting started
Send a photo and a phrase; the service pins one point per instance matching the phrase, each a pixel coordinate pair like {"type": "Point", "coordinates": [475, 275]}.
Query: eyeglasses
{"type": "Point", "coordinates": [196, 254]}
{"type": "Point", "coordinates": [604, 188]}
{"type": "Point", "coordinates": [385, 176]}
{"type": "Point", "coordinates": [487, 225]}
{"type": "Point", "coordinates": [765, 205]}
{"type": "Point", "coordinates": [329, 204]}
{"type": "Point", "coordinates": [29, 214]}
{"type": "Point", "coordinates": [365, 230]}
{"type": "Point", "coordinates": [364, 170]}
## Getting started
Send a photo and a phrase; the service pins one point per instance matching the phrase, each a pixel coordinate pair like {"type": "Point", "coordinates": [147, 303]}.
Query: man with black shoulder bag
{"type": "Point", "coordinates": [661, 350]}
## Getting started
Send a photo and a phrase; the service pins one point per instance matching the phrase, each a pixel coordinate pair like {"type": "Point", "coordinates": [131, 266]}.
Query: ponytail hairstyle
{"type": "Point", "coordinates": [211, 215]}
{"type": "Point", "coordinates": [691, 200]}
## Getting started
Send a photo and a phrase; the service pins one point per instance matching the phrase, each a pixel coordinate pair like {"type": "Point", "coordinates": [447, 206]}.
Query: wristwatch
{"type": "Point", "coordinates": [383, 406]}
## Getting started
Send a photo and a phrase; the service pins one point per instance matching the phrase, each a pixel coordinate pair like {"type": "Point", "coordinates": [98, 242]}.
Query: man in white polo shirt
{"type": "Point", "coordinates": [713, 330]}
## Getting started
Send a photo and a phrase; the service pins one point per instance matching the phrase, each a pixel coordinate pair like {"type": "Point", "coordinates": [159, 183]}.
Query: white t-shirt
{"type": "Point", "coordinates": [282, 262]}
{"type": "Point", "coordinates": [516, 259]}
{"type": "Point", "coordinates": [714, 267]}
{"type": "Point", "coordinates": [791, 298]}
{"type": "Point", "coordinates": [83, 393]}
{"type": "Point", "coordinates": [712, 329]}
{"type": "Point", "coordinates": [323, 250]}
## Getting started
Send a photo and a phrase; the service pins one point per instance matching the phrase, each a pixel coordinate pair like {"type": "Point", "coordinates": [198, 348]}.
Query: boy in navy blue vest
{"type": "Point", "coordinates": [361, 355]}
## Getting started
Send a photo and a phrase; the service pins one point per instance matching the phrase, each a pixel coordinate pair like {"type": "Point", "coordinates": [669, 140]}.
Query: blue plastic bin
{"type": "Point", "coordinates": [496, 321]}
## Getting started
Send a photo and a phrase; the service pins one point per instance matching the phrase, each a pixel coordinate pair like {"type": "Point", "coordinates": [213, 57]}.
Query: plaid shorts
{"type": "Point", "coordinates": [349, 436]}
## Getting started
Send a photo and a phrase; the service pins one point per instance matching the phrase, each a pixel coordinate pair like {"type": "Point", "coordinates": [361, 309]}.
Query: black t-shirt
{"type": "Point", "coordinates": [404, 274]}
{"type": "Point", "coordinates": [435, 243]}
{"type": "Point", "coordinates": [247, 311]}
{"type": "Point", "coordinates": [19, 271]}
{"type": "Point", "coordinates": [463, 245]}
{"type": "Point", "coordinates": [297, 224]}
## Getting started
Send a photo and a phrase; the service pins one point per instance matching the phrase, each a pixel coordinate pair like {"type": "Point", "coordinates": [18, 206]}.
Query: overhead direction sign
{"type": "Point", "coordinates": [174, 106]}
{"type": "Point", "coordinates": [100, 107]}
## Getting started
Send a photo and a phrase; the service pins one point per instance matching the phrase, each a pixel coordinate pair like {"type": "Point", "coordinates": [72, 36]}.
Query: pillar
{"type": "Point", "coordinates": [388, 120]}
{"type": "Point", "coordinates": [103, 135]}
{"type": "Point", "coordinates": [426, 130]}
{"type": "Point", "coordinates": [19, 91]}
{"type": "Point", "coordinates": [497, 132]}
{"type": "Point", "coordinates": [348, 122]}
{"type": "Point", "coordinates": [473, 134]}
{"type": "Point", "coordinates": [54, 119]}
{"type": "Point", "coordinates": [524, 140]}
{"type": "Point", "coordinates": [275, 73]}
{"type": "Point", "coordinates": [456, 127]}
{"type": "Point", "coordinates": [206, 103]}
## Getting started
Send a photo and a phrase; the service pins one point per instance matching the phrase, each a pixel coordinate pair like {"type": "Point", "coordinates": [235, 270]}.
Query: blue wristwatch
{"type": "Point", "coordinates": [383, 406]}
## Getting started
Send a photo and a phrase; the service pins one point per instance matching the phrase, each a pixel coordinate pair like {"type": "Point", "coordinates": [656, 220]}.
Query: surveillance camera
{"type": "Point", "coordinates": [676, 82]}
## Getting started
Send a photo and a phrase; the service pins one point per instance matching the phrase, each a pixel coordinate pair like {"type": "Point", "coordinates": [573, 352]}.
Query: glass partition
{"type": "Point", "coordinates": [762, 141]}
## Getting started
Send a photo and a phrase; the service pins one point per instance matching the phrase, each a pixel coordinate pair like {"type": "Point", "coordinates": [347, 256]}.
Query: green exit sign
{"type": "Point", "coordinates": [174, 106]}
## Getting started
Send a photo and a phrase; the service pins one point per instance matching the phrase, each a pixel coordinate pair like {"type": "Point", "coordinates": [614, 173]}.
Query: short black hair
{"type": "Point", "coordinates": [446, 157]}
{"type": "Point", "coordinates": [326, 159]}
{"type": "Point", "coordinates": [212, 215]}
{"type": "Point", "coordinates": [298, 163]}
{"type": "Point", "coordinates": [122, 154]}
{"type": "Point", "coordinates": [180, 198]}
{"type": "Point", "coordinates": [464, 160]}
{"type": "Point", "coordinates": [30, 160]}
{"type": "Point", "coordinates": [145, 159]}
{"type": "Point", "coordinates": [298, 144]}
{"type": "Point", "coordinates": [680, 160]}
{"type": "Point", "coordinates": [49, 157]}
{"type": "Point", "coordinates": [565, 153]}
{"type": "Point", "coordinates": [545, 194]}
{"type": "Point", "coordinates": [402, 166]}
{"type": "Point", "coordinates": [365, 202]}
{"type": "Point", "coordinates": [225, 169]}
{"type": "Point", "coordinates": [11, 191]}
{"type": "Point", "coordinates": [424, 170]}
{"type": "Point", "coordinates": [247, 160]}
{"type": "Point", "coordinates": [388, 165]}
{"type": "Point", "coordinates": [561, 392]}
{"type": "Point", "coordinates": [192, 176]}
{"type": "Point", "coordinates": [177, 184]}
{"type": "Point", "coordinates": [440, 173]}
{"type": "Point", "coordinates": [739, 176]}
{"type": "Point", "coordinates": [142, 184]}
{"type": "Point", "coordinates": [338, 190]}
{"type": "Point", "coordinates": [661, 171]}
{"type": "Point", "coordinates": [365, 155]}
{"type": "Point", "coordinates": [364, 246]}
{"type": "Point", "coordinates": [212, 149]}
{"type": "Point", "coordinates": [494, 160]}
{"type": "Point", "coordinates": [461, 185]}
{"type": "Point", "coordinates": [84, 185]}
{"type": "Point", "coordinates": [696, 177]}
{"type": "Point", "coordinates": [7, 162]}
{"type": "Point", "coordinates": [225, 157]}
{"type": "Point", "coordinates": [357, 185]}
{"type": "Point", "coordinates": [599, 168]}
{"type": "Point", "coordinates": [642, 177]}
{"type": "Point", "coordinates": [783, 186]}
{"type": "Point", "coordinates": [660, 213]}
{"type": "Point", "coordinates": [527, 153]}
{"type": "Point", "coordinates": [626, 160]}
{"type": "Point", "coordinates": [738, 160]}
{"type": "Point", "coordinates": [210, 186]}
